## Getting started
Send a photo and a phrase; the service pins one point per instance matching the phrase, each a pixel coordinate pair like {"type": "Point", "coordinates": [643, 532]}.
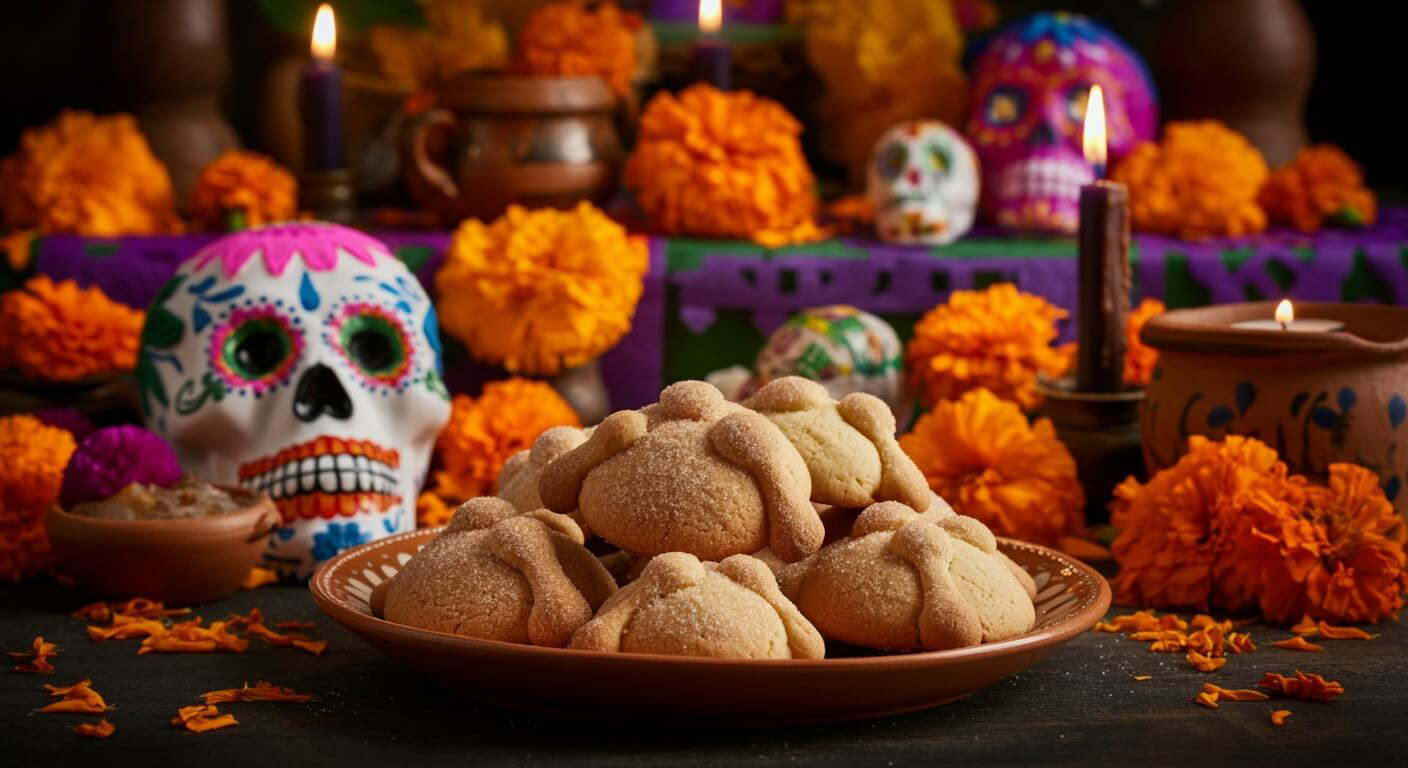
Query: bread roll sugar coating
{"type": "Point", "coordinates": [849, 445]}
{"type": "Point", "coordinates": [496, 574]}
{"type": "Point", "coordinates": [683, 607]}
{"type": "Point", "coordinates": [911, 581]}
{"type": "Point", "coordinates": [691, 473]}
{"type": "Point", "coordinates": [518, 480]}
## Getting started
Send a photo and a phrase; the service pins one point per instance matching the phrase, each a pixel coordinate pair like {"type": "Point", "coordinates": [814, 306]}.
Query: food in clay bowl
{"type": "Point", "coordinates": [749, 599]}
{"type": "Point", "coordinates": [129, 524]}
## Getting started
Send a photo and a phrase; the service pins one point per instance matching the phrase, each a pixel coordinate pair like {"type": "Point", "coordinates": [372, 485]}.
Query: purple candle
{"type": "Point", "coordinates": [321, 98]}
{"type": "Point", "coordinates": [713, 61]}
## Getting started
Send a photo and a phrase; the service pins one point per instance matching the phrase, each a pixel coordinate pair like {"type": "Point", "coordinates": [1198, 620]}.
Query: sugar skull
{"type": "Point", "coordinates": [302, 360]}
{"type": "Point", "coordinates": [923, 183]}
{"type": "Point", "coordinates": [1027, 113]}
{"type": "Point", "coordinates": [845, 349]}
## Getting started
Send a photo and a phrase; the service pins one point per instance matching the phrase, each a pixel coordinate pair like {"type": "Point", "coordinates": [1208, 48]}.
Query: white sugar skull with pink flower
{"type": "Point", "coordinates": [302, 360]}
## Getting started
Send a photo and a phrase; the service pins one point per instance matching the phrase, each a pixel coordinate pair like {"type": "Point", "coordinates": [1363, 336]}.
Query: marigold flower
{"type": "Point", "coordinates": [1340, 558]}
{"type": "Point", "coordinates": [30, 477]}
{"type": "Point", "coordinates": [1139, 358]}
{"type": "Point", "coordinates": [537, 291]}
{"type": "Point", "coordinates": [882, 63]}
{"type": "Point", "coordinates": [720, 164]}
{"type": "Point", "coordinates": [483, 432]}
{"type": "Point", "coordinates": [998, 339]}
{"type": "Point", "coordinates": [981, 455]}
{"type": "Point", "coordinates": [572, 38]}
{"type": "Point", "coordinates": [1201, 180]}
{"type": "Point", "coordinates": [243, 189]}
{"type": "Point", "coordinates": [1178, 533]}
{"type": "Point", "coordinates": [86, 175]}
{"type": "Point", "coordinates": [458, 37]}
{"type": "Point", "coordinates": [60, 332]}
{"type": "Point", "coordinates": [1322, 185]}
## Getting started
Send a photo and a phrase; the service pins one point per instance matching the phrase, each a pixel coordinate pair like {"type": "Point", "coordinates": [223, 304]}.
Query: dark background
{"type": "Point", "coordinates": [47, 63]}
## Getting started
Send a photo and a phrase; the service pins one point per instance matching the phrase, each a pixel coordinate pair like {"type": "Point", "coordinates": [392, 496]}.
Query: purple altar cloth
{"type": "Point", "coordinates": [693, 282]}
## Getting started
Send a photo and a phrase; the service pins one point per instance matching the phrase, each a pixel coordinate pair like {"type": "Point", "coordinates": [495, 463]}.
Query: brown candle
{"type": "Point", "coordinates": [1102, 299]}
{"type": "Point", "coordinates": [1103, 296]}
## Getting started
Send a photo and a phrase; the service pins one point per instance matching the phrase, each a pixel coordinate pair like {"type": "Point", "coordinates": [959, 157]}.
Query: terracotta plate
{"type": "Point", "coordinates": [1071, 598]}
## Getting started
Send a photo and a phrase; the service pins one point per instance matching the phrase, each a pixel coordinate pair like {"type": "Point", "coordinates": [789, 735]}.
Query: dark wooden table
{"type": "Point", "coordinates": [1081, 706]}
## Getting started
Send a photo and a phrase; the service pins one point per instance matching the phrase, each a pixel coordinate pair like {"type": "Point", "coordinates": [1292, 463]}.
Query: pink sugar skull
{"type": "Point", "coordinates": [1028, 109]}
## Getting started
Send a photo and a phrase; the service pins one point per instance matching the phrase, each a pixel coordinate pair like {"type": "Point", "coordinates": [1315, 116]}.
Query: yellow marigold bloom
{"type": "Point", "coordinates": [86, 175]}
{"type": "Point", "coordinates": [60, 332]}
{"type": "Point", "coordinates": [483, 432]}
{"type": "Point", "coordinates": [458, 38]}
{"type": "Point", "coordinates": [571, 38]}
{"type": "Point", "coordinates": [1178, 534]}
{"type": "Point", "coordinates": [246, 186]}
{"type": "Point", "coordinates": [1339, 559]}
{"type": "Point", "coordinates": [721, 164]}
{"type": "Point", "coordinates": [980, 454]}
{"type": "Point", "coordinates": [1201, 180]}
{"type": "Point", "coordinates": [537, 291]}
{"type": "Point", "coordinates": [882, 63]}
{"type": "Point", "coordinates": [998, 339]}
{"type": "Point", "coordinates": [1323, 184]}
{"type": "Point", "coordinates": [30, 476]}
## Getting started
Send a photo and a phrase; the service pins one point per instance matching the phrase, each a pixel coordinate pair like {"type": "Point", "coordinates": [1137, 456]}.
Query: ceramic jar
{"type": "Point", "coordinates": [1317, 398]}
{"type": "Point", "coordinates": [496, 140]}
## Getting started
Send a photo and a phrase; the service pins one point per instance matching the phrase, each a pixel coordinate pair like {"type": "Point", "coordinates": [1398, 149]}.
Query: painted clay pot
{"type": "Point", "coordinates": [497, 140]}
{"type": "Point", "coordinates": [1317, 398]}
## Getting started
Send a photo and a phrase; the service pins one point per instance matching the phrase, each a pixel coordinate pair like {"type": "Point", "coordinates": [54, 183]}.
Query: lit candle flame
{"type": "Point", "coordinates": [324, 34]}
{"type": "Point", "coordinates": [711, 16]}
{"type": "Point", "coordinates": [1094, 134]}
{"type": "Point", "coordinates": [1285, 314]}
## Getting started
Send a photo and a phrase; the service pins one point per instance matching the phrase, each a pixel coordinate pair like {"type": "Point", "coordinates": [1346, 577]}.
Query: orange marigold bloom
{"type": "Point", "coordinates": [483, 432]}
{"type": "Point", "coordinates": [60, 332]}
{"type": "Point", "coordinates": [1140, 358]}
{"type": "Point", "coordinates": [721, 164]}
{"type": "Point", "coordinates": [572, 38]}
{"type": "Point", "coordinates": [1179, 532]}
{"type": "Point", "coordinates": [981, 455]}
{"type": "Point", "coordinates": [245, 189]}
{"type": "Point", "coordinates": [1323, 184]}
{"type": "Point", "coordinates": [87, 175]}
{"type": "Point", "coordinates": [1340, 558]}
{"type": "Point", "coordinates": [537, 291]}
{"type": "Point", "coordinates": [30, 476]}
{"type": "Point", "coordinates": [998, 339]}
{"type": "Point", "coordinates": [1201, 180]}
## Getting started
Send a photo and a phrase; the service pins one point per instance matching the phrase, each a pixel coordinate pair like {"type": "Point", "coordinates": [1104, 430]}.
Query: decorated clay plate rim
{"type": "Point", "coordinates": [1077, 620]}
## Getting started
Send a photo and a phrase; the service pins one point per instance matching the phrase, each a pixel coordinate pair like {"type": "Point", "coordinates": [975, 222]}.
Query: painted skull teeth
{"type": "Point", "coordinates": [1058, 178]}
{"type": "Point", "coordinates": [327, 478]}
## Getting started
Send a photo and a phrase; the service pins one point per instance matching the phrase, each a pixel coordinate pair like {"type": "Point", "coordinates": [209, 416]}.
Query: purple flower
{"type": "Point", "coordinates": [113, 458]}
{"type": "Point", "coordinates": [70, 419]}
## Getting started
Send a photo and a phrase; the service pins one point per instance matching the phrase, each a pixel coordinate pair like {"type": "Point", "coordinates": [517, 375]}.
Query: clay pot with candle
{"type": "Point", "coordinates": [497, 140]}
{"type": "Point", "coordinates": [1316, 397]}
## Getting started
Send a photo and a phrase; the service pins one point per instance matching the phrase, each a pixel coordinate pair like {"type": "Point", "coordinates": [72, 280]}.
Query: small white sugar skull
{"type": "Point", "coordinates": [302, 360]}
{"type": "Point", "coordinates": [923, 183]}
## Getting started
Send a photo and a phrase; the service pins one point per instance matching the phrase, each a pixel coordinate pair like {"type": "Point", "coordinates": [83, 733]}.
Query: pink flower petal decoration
{"type": "Point", "coordinates": [318, 244]}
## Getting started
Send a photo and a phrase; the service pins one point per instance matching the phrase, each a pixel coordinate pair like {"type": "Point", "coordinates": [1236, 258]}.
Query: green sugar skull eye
{"type": "Point", "coordinates": [373, 344]}
{"type": "Point", "coordinates": [892, 161]}
{"type": "Point", "coordinates": [256, 348]}
{"type": "Point", "coordinates": [940, 158]}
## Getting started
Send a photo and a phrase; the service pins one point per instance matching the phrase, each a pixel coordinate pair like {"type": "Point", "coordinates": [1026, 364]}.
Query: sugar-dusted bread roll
{"type": "Point", "coordinates": [910, 581]}
{"type": "Point", "coordinates": [683, 607]}
{"type": "Point", "coordinates": [497, 574]}
{"type": "Point", "coordinates": [848, 445]}
{"type": "Point", "coordinates": [691, 473]}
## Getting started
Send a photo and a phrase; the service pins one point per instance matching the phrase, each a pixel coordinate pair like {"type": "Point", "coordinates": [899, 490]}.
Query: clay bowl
{"type": "Point", "coordinates": [179, 562]}
{"type": "Point", "coordinates": [646, 687]}
{"type": "Point", "coordinates": [1316, 398]}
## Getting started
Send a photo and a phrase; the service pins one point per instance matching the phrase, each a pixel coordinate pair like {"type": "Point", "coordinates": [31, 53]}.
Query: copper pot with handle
{"type": "Point", "coordinates": [498, 139]}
